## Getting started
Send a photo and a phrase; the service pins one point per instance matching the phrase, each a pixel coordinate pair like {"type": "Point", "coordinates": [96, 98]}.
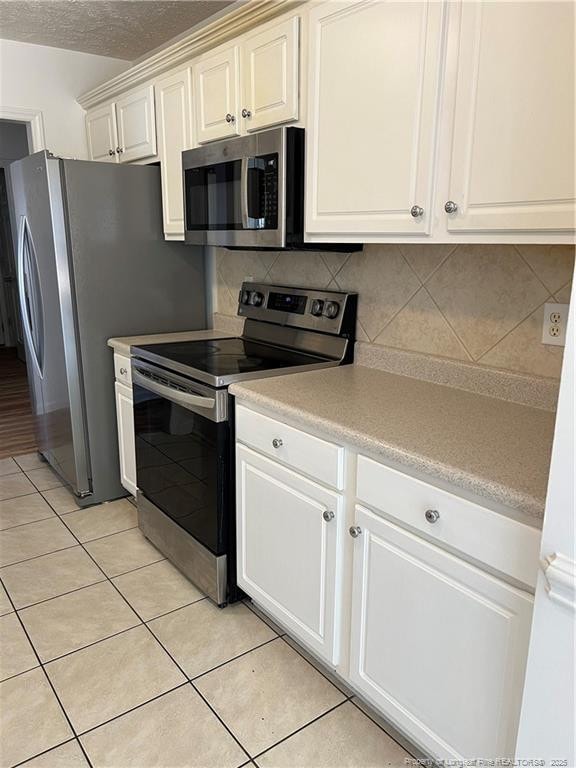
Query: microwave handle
{"type": "Point", "coordinates": [249, 222]}
{"type": "Point", "coordinates": [244, 192]}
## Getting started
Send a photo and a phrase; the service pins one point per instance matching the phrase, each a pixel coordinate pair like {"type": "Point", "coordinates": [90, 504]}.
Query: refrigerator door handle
{"type": "Point", "coordinates": [25, 297]}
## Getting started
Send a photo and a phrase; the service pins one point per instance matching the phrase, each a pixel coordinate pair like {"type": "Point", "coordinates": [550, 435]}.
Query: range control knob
{"type": "Point", "coordinates": [244, 297]}
{"type": "Point", "coordinates": [316, 307]}
{"type": "Point", "coordinates": [256, 298]}
{"type": "Point", "coordinates": [331, 309]}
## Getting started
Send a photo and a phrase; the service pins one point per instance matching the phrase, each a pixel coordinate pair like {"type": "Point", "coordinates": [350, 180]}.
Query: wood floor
{"type": "Point", "coordinates": [16, 425]}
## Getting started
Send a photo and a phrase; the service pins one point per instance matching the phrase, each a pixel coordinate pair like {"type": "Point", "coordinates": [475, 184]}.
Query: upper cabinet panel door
{"type": "Point", "coordinates": [216, 90]}
{"type": "Point", "coordinates": [173, 104]}
{"type": "Point", "coordinates": [101, 132]}
{"type": "Point", "coordinates": [136, 125]}
{"type": "Point", "coordinates": [270, 65]}
{"type": "Point", "coordinates": [513, 158]}
{"type": "Point", "coordinates": [373, 102]}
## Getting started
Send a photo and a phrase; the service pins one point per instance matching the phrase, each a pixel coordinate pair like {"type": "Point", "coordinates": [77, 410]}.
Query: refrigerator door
{"type": "Point", "coordinates": [47, 307]}
{"type": "Point", "coordinates": [127, 281]}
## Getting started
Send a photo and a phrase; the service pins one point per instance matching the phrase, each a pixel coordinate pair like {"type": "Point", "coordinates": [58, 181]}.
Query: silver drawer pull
{"type": "Point", "coordinates": [328, 515]}
{"type": "Point", "coordinates": [123, 371]}
{"type": "Point", "coordinates": [431, 515]}
{"type": "Point", "coordinates": [355, 531]}
{"type": "Point", "coordinates": [277, 443]}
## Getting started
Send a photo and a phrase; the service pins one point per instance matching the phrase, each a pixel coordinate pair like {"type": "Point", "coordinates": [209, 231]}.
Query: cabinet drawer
{"type": "Point", "coordinates": [317, 458]}
{"type": "Point", "coordinates": [122, 369]}
{"type": "Point", "coordinates": [497, 541]}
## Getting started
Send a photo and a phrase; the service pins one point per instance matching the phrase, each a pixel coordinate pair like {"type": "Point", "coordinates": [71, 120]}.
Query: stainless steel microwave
{"type": "Point", "coordinates": [248, 192]}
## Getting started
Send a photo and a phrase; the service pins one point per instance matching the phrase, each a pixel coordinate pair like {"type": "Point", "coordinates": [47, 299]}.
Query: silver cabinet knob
{"type": "Point", "coordinates": [111, 152]}
{"type": "Point", "coordinates": [450, 207]}
{"type": "Point", "coordinates": [431, 515]}
{"type": "Point", "coordinates": [355, 531]}
{"type": "Point", "coordinates": [119, 150]}
{"type": "Point", "coordinates": [277, 443]}
{"type": "Point", "coordinates": [328, 515]}
{"type": "Point", "coordinates": [230, 118]}
{"type": "Point", "coordinates": [416, 211]}
{"type": "Point", "coordinates": [123, 371]}
{"type": "Point", "coordinates": [246, 113]}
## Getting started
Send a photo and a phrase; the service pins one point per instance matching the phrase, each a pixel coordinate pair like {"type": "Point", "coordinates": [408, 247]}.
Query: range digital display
{"type": "Point", "coordinates": [287, 302]}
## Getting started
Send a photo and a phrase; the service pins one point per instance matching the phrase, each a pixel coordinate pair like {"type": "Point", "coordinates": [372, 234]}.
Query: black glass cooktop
{"type": "Point", "coordinates": [224, 360]}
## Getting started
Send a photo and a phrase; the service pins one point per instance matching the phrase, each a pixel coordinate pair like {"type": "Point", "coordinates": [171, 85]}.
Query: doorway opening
{"type": "Point", "coordinates": [16, 421]}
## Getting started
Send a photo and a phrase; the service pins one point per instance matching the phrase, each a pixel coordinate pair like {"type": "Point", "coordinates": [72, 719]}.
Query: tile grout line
{"type": "Point", "coordinates": [28, 559]}
{"type": "Point", "coordinates": [535, 309]}
{"type": "Point", "coordinates": [298, 730]}
{"type": "Point", "coordinates": [531, 268]}
{"type": "Point", "coordinates": [234, 658]}
{"type": "Point", "coordinates": [19, 525]}
{"type": "Point", "coordinates": [449, 324]}
{"type": "Point", "coordinates": [41, 754]}
{"type": "Point", "coordinates": [165, 651]}
{"type": "Point", "coordinates": [47, 677]}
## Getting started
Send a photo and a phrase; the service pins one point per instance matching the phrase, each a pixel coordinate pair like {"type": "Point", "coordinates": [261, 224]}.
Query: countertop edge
{"type": "Point", "coordinates": [526, 509]}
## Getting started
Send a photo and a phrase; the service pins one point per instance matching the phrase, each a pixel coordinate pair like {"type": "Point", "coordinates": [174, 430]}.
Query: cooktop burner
{"type": "Point", "coordinates": [225, 358]}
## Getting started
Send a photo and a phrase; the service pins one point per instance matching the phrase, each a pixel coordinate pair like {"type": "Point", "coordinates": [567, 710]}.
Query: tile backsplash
{"type": "Point", "coordinates": [481, 303]}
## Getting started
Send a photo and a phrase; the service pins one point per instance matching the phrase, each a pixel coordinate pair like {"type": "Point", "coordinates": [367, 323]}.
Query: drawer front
{"type": "Point", "coordinates": [490, 538]}
{"type": "Point", "coordinates": [122, 369]}
{"type": "Point", "coordinates": [305, 453]}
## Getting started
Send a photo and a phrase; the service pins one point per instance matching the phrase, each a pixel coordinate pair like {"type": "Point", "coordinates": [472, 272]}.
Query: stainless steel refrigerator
{"type": "Point", "coordinates": [92, 264]}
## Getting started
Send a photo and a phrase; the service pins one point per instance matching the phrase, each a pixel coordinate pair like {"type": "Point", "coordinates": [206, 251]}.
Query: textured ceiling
{"type": "Point", "coordinates": [124, 29]}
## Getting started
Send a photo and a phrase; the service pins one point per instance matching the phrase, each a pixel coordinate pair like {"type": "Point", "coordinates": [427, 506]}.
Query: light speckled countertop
{"type": "Point", "coordinates": [122, 344]}
{"type": "Point", "coordinates": [493, 450]}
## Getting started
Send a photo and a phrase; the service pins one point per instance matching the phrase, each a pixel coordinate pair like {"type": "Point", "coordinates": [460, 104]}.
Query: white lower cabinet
{"type": "Point", "coordinates": [437, 644]}
{"type": "Point", "coordinates": [126, 444]}
{"type": "Point", "coordinates": [289, 534]}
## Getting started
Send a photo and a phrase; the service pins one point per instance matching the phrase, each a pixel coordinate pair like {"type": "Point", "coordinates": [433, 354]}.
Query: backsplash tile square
{"type": "Point", "coordinates": [481, 303]}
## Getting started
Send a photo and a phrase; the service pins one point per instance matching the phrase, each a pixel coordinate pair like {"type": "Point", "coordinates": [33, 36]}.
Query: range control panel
{"type": "Point", "coordinates": [318, 310]}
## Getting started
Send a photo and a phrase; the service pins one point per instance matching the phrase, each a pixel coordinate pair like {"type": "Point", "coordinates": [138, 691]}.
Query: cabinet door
{"type": "Point", "coordinates": [373, 105]}
{"type": "Point", "coordinates": [437, 644]}
{"type": "Point", "coordinates": [513, 157]}
{"type": "Point", "coordinates": [289, 533]}
{"type": "Point", "coordinates": [173, 104]}
{"type": "Point", "coordinates": [126, 446]}
{"type": "Point", "coordinates": [101, 133]}
{"type": "Point", "coordinates": [270, 64]}
{"type": "Point", "coordinates": [216, 90]}
{"type": "Point", "coordinates": [136, 125]}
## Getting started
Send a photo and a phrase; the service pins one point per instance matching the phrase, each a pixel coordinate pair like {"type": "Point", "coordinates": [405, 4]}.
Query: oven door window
{"type": "Point", "coordinates": [182, 466]}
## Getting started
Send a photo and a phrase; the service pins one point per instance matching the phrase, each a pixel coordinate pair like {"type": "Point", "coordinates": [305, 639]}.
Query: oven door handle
{"type": "Point", "coordinates": [185, 399]}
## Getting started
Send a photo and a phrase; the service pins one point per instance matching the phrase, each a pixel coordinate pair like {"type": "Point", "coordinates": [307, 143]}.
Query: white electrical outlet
{"type": "Point", "coordinates": [555, 321]}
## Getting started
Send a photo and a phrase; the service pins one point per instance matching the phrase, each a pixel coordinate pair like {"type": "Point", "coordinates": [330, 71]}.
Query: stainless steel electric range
{"type": "Point", "coordinates": [184, 419]}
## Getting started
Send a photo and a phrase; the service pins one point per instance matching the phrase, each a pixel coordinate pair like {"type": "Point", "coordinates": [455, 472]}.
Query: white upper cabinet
{"type": "Point", "coordinates": [174, 117]}
{"type": "Point", "coordinates": [437, 644]}
{"type": "Point", "coordinates": [372, 116]}
{"type": "Point", "coordinates": [216, 95]}
{"type": "Point", "coordinates": [513, 163]}
{"type": "Point", "coordinates": [125, 130]}
{"type": "Point", "coordinates": [136, 125]}
{"type": "Point", "coordinates": [270, 73]}
{"type": "Point", "coordinates": [101, 132]}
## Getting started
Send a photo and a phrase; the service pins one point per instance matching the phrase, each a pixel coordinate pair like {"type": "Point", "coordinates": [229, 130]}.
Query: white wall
{"type": "Point", "coordinates": [50, 79]}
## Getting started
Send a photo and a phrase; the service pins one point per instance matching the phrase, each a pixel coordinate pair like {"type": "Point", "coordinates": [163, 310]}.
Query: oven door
{"type": "Point", "coordinates": [234, 191]}
{"type": "Point", "coordinates": [183, 453]}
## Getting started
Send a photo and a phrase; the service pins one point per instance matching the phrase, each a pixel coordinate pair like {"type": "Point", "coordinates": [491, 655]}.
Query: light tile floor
{"type": "Point", "coordinates": [111, 658]}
